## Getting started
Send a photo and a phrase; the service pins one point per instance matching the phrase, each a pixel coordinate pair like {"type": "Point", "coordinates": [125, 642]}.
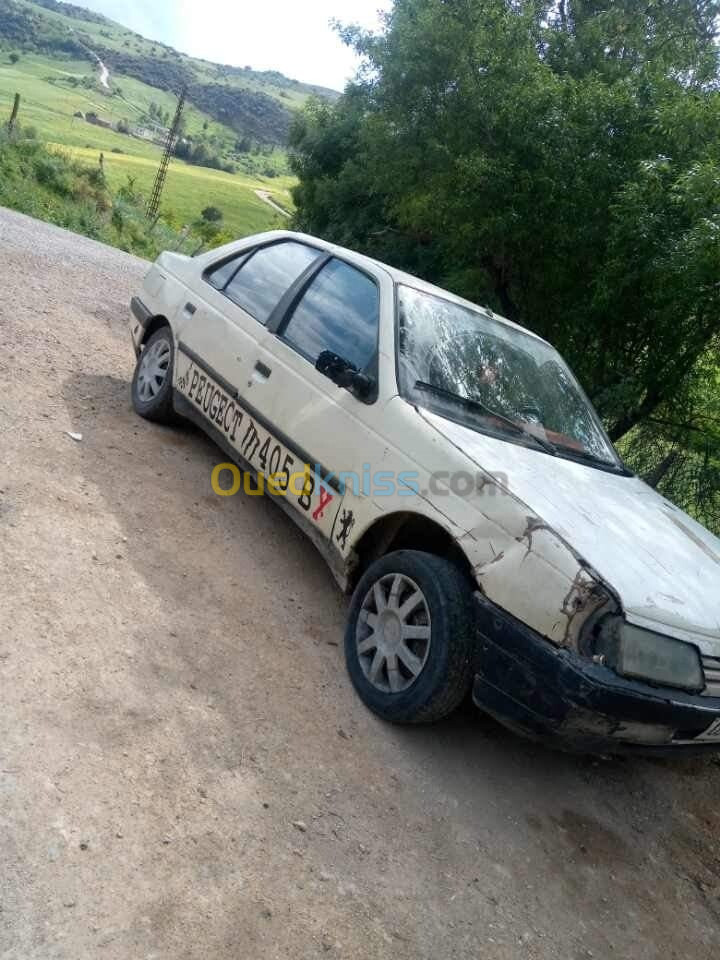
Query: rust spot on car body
{"type": "Point", "coordinates": [585, 597]}
{"type": "Point", "coordinates": [534, 524]}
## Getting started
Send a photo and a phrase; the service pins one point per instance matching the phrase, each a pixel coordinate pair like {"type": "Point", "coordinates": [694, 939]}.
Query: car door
{"type": "Point", "coordinates": [337, 307]}
{"type": "Point", "coordinates": [223, 321]}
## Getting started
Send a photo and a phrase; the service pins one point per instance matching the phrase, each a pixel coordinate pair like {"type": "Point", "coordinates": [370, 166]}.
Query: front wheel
{"type": "Point", "coordinates": [409, 637]}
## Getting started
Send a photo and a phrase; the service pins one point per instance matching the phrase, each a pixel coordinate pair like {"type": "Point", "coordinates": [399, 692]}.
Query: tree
{"type": "Point", "coordinates": [210, 233]}
{"type": "Point", "coordinates": [14, 57]}
{"type": "Point", "coordinates": [200, 154]}
{"type": "Point", "coordinates": [558, 161]}
{"type": "Point", "coordinates": [212, 215]}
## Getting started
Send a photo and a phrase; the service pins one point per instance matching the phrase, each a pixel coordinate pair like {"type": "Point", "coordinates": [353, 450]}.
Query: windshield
{"type": "Point", "coordinates": [494, 378]}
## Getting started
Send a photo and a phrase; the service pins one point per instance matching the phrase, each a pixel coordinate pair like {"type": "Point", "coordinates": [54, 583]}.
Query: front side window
{"type": "Point", "coordinates": [339, 311]}
{"type": "Point", "coordinates": [494, 378]}
{"type": "Point", "coordinates": [261, 281]}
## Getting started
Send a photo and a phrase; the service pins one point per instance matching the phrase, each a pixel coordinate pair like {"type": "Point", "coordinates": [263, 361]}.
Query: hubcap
{"type": "Point", "coordinates": [393, 633]}
{"type": "Point", "coordinates": [153, 371]}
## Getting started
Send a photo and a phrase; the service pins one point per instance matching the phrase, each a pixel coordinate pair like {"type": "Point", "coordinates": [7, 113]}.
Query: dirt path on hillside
{"type": "Point", "coordinates": [266, 197]}
{"type": "Point", "coordinates": [104, 72]}
{"type": "Point", "coordinates": [185, 771]}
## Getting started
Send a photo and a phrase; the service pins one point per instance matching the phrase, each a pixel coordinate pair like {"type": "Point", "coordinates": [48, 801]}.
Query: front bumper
{"type": "Point", "coordinates": [141, 318]}
{"type": "Point", "coordinates": [554, 694]}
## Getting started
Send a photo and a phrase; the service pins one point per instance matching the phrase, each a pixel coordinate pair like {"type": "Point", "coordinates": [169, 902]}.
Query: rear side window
{"type": "Point", "coordinates": [340, 311]}
{"type": "Point", "coordinates": [261, 281]}
{"type": "Point", "coordinates": [219, 276]}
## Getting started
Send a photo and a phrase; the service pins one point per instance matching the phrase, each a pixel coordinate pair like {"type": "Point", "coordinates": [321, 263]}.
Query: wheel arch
{"type": "Point", "coordinates": [405, 530]}
{"type": "Point", "coordinates": [156, 323]}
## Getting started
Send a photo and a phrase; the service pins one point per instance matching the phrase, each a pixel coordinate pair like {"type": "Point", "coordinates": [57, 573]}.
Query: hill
{"type": "Point", "coordinates": [102, 93]}
{"type": "Point", "coordinates": [250, 104]}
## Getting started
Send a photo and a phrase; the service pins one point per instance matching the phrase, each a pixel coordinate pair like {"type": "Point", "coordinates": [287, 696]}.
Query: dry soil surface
{"type": "Point", "coordinates": [185, 771]}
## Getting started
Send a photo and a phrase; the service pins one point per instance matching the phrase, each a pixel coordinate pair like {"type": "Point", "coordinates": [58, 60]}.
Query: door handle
{"type": "Point", "coordinates": [263, 370]}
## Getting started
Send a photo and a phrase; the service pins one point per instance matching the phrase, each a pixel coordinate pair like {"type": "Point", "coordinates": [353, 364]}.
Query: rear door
{"type": "Point", "coordinates": [223, 322]}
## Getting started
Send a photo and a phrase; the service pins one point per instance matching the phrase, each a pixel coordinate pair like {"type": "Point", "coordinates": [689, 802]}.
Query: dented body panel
{"type": "Point", "coordinates": [662, 566]}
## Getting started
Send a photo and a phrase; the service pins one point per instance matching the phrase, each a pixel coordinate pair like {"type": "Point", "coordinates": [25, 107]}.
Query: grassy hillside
{"type": "Point", "coordinates": [190, 189]}
{"type": "Point", "coordinates": [49, 109]}
{"type": "Point", "coordinates": [55, 187]}
{"type": "Point", "coordinates": [235, 119]}
{"type": "Point", "coordinates": [246, 102]}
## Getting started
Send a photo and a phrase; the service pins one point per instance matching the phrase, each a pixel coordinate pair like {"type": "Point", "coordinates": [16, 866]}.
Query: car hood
{"type": "Point", "coordinates": [664, 566]}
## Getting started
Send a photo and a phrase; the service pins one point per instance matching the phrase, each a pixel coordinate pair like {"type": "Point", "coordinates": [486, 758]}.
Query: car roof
{"type": "Point", "coordinates": [401, 277]}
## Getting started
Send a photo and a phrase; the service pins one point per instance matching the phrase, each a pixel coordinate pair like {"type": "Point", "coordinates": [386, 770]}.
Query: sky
{"type": "Point", "coordinates": [293, 36]}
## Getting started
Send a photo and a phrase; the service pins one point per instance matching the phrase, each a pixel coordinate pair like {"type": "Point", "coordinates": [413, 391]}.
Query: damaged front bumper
{"type": "Point", "coordinates": [554, 694]}
{"type": "Point", "coordinates": [141, 318]}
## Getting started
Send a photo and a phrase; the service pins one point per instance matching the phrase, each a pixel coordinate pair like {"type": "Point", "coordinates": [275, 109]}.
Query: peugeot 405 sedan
{"type": "Point", "coordinates": [459, 484]}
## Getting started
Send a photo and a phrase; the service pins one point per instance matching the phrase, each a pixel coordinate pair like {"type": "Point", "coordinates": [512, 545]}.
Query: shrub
{"type": "Point", "coordinates": [212, 214]}
{"type": "Point", "coordinates": [129, 193]}
{"type": "Point", "coordinates": [55, 188]}
{"type": "Point", "coordinates": [52, 172]}
{"type": "Point", "coordinates": [94, 176]}
{"type": "Point", "coordinates": [117, 219]}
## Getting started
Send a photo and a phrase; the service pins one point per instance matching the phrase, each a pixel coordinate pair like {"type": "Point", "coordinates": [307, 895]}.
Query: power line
{"type": "Point", "coordinates": [153, 206]}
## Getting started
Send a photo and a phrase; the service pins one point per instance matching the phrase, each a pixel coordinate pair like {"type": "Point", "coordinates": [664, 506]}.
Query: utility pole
{"type": "Point", "coordinates": [13, 115]}
{"type": "Point", "coordinates": [153, 207]}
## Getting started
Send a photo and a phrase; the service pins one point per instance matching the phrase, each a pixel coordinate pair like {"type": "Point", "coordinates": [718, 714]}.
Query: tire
{"type": "Point", "coordinates": [152, 396]}
{"type": "Point", "coordinates": [438, 632]}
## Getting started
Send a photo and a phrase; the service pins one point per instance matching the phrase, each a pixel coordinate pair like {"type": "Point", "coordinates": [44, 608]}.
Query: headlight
{"type": "Point", "coordinates": [644, 655]}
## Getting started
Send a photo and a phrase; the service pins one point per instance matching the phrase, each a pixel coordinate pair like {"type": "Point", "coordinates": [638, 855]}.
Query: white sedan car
{"type": "Point", "coordinates": [459, 484]}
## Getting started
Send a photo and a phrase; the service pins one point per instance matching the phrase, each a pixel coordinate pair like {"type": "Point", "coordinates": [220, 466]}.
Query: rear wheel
{"type": "Point", "coordinates": [152, 382]}
{"type": "Point", "coordinates": [409, 637]}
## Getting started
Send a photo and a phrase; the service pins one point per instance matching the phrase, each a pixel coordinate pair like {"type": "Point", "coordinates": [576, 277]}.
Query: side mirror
{"type": "Point", "coordinates": [344, 374]}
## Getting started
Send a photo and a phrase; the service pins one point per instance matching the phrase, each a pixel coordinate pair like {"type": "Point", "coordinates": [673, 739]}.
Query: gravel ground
{"type": "Point", "coordinates": [185, 772]}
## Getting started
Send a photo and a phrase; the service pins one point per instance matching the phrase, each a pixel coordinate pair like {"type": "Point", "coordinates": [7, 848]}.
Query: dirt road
{"type": "Point", "coordinates": [185, 772]}
{"type": "Point", "coordinates": [267, 198]}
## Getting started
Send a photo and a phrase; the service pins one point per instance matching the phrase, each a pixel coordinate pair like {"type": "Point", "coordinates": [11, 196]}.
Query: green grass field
{"type": "Point", "coordinates": [190, 189]}
{"type": "Point", "coordinates": [50, 107]}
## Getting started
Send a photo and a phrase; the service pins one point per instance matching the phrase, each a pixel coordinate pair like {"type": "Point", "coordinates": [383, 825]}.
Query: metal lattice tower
{"type": "Point", "coordinates": [153, 206]}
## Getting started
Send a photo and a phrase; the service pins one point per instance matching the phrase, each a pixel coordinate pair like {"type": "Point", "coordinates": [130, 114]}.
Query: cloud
{"type": "Point", "coordinates": [153, 21]}
{"type": "Point", "coordinates": [293, 36]}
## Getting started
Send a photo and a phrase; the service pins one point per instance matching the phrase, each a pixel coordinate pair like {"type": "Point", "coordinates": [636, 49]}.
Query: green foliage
{"type": "Point", "coordinates": [14, 57]}
{"type": "Point", "coordinates": [676, 449]}
{"type": "Point", "coordinates": [53, 172]}
{"type": "Point", "coordinates": [212, 214]}
{"type": "Point", "coordinates": [559, 162]}
{"type": "Point", "coordinates": [199, 154]}
{"type": "Point", "coordinates": [54, 187]}
{"type": "Point", "coordinates": [50, 187]}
